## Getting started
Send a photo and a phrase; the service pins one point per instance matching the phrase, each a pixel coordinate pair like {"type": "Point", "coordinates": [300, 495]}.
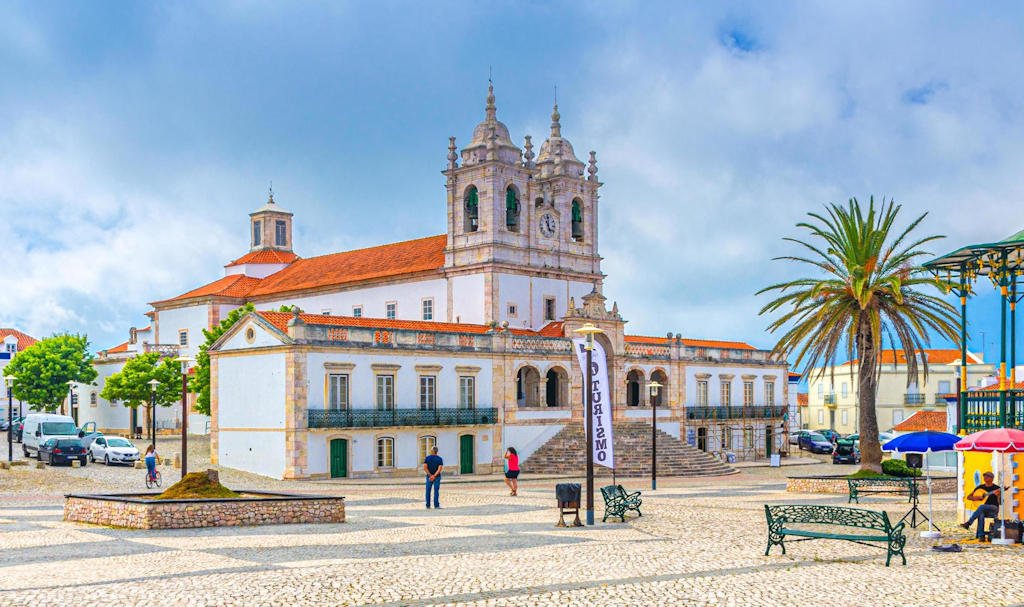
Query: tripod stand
{"type": "Point", "coordinates": [914, 510]}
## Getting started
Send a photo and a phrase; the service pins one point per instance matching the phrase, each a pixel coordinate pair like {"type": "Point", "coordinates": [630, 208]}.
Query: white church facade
{"type": "Point", "coordinates": [459, 340]}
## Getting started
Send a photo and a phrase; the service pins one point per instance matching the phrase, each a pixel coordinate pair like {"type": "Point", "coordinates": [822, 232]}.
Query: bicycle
{"type": "Point", "coordinates": [153, 480]}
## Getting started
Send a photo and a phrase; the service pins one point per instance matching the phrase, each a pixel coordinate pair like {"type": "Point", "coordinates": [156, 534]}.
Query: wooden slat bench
{"type": "Point", "coordinates": [789, 520]}
{"type": "Point", "coordinates": [875, 486]}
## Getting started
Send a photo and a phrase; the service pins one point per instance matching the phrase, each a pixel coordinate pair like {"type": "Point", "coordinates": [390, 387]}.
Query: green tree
{"type": "Point", "coordinates": [866, 286]}
{"type": "Point", "coordinates": [42, 371]}
{"type": "Point", "coordinates": [200, 383]}
{"type": "Point", "coordinates": [131, 386]}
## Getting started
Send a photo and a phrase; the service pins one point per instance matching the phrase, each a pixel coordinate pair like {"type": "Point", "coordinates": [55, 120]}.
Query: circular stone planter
{"type": "Point", "coordinates": [140, 511]}
{"type": "Point", "coordinates": [838, 484]}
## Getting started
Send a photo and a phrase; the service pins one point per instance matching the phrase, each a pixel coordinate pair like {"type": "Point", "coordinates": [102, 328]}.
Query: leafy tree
{"type": "Point", "coordinates": [865, 286]}
{"type": "Point", "coordinates": [131, 386]}
{"type": "Point", "coordinates": [42, 371]}
{"type": "Point", "coordinates": [200, 383]}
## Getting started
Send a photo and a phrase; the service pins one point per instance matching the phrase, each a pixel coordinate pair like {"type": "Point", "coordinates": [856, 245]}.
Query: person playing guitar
{"type": "Point", "coordinates": [989, 507]}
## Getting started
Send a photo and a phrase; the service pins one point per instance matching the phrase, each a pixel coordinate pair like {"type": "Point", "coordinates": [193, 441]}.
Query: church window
{"type": "Point", "coordinates": [472, 210]}
{"type": "Point", "coordinates": [257, 233]}
{"type": "Point", "coordinates": [549, 308]}
{"type": "Point", "coordinates": [511, 310]}
{"type": "Point", "coordinates": [357, 311]}
{"type": "Point", "coordinates": [337, 388]}
{"type": "Point", "coordinates": [428, 308]}
{"type": "Point", "coordinates": [390, 310]}
{"type": "Point", "coordinates": [183, 337]}
{"type": "Point", "coordinates": [280, 233]}
{"type": "Point", "coordinates": [577, 220]}
{"type": "Point", "coordinates": [511, 210]}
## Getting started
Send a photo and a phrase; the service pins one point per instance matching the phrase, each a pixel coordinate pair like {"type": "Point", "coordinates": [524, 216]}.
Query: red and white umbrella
{"type": "Point", "coordinates": [998, 440]}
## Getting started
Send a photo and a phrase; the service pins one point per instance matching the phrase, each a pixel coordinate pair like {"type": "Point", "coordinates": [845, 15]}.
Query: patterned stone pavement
{"type": "Point", "coordinates": [700, 542]}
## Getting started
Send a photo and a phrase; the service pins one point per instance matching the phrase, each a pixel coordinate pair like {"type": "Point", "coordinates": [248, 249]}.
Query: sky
{"type": "Point", "coordinates": [136, 137]}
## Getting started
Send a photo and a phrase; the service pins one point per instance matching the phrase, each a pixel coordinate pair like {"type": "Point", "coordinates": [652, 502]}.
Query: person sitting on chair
{"type": "Point", "coordinates": [989, 507]}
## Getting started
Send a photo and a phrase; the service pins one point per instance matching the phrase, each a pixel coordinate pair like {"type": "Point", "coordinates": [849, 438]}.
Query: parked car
{"type": "Point", "coordinates": [883, 437]}
{"type": "Point", "coordinates": [41, 427]}
{"type": "Point", "coordinates": [831, 435]}
{"type": "Point", "coordinates": [88, 433]}
{"type": "Point", "coordinates": [113, 450]}
{"type": "Point", "coordinates": [814, 442]}
{"type": "Point", "coordinates": [62, 451]}
{"type": "Point", "coordinates": [846, 452]}
{"type": "Point", "coordinates": [794, 437]}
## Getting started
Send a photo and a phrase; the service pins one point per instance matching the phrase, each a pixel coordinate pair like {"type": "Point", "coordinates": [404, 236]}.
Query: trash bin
{"type": "Point", "coordinates": [568, 497]}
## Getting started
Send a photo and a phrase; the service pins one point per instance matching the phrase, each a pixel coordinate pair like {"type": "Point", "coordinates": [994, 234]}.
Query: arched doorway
{"type": "Point", "coordinates": [527, 387]}
{"type": "Point", "coordinates": [634, 381]}
{"type": "Point", "coordinates": [659, 376]}
{"type": "Point", "coordinates": [556, 387]}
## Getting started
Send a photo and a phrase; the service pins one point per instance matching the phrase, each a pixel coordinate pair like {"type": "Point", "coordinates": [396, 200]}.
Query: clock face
{"type": "Point", "coordinates": [548, 225]}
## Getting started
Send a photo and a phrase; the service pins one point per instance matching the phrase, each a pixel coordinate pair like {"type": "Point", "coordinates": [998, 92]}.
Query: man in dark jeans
{"type": "Point", "coordinates": [989, 508]}
{"type": "Point", "coordinates": [433, 465]}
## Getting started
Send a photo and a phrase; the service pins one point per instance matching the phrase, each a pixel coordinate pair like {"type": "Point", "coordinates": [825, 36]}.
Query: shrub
{"type": "Point", "coordinates": [898, 467]}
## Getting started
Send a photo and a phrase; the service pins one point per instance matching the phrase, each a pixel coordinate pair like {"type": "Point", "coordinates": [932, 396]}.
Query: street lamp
{"type": "Point", "coordinates": [9, 380]}
{"type": "Point", "coordinates": [589, 330]}
{"type": "Point", "coordinates": [185, 362]}
{"type": "Point", "coordinates": [153, 383]}
{"type": "Point", "coordinates": [71, 399]}
{"type": "Point", "coordinates": [654, 386]}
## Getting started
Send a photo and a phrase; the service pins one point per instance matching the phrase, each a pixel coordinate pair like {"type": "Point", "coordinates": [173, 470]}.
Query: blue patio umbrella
{"type": "Point", "coordinates": [928, 441]}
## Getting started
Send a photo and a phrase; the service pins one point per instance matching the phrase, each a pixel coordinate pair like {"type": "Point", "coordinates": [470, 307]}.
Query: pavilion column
{"type": "Point", "coordinates": [962, 408]}
{"type": "Point", "coordinates": [1004, 296]}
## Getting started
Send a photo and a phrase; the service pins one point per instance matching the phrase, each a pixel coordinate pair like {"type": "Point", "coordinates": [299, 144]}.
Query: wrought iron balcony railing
{"type": "Point", "coordinates": [374, 418]}
{"type": "Point", "coordinates": [751, 412]}
{"type": "Point", "coordinates": [830, 399]}
{"type": "Point", "coordinates": [989, 409]}
{"type": "Point", "coordinates": [914, 398]}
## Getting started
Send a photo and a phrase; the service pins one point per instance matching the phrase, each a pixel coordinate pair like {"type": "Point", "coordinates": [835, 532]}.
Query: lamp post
{"type": "Point", "coordinates": [10, 417]}
{"type": "Point", "coordinates": [185, 362]}
{"type": "Point", "coordinates": [71, 399]}
{"type": "Point", "coordinates": [153, 383]}
{"type": "Point", "coordinates": [654, 386]}
{"type": "Point", "coordinates": [589, 330]}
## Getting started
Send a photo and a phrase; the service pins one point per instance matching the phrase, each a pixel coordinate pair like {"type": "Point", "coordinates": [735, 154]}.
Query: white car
{"type": "Point", "coordinates": [113, 450]}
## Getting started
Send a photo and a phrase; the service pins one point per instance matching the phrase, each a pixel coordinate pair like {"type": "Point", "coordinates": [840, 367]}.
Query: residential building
{"type": "Point", "coordinates": [12, 342]}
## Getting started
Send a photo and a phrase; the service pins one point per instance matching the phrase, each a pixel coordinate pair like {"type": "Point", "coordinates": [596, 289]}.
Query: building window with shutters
{"type": "Point", "coordinates": [337, 391]}
{"type": "Point", "coordinates": [748, 394]}
{"type": "Point", "coordinates": [357, 311]}
{"type": "Point", "coordinates": [428, 308]}
{"type": "Point", "coordinates": [428, 392]}
{"type": "Point", "coordinates": [702, 393]}
{"type": "Point", "coordinates": [391, 310]}
{"type": "Point", "coordinates": [467, 392]}
{"type": "Point", "coordinates": [549, 308]}
{"type": "Point", "coordinates": [92, 399]}
{"type": "Point", "coordinates": [769, 393]}
{"type": "Point", "coordinates": [426, 444]}
{"type": "Point", "coordinates": [726, 393]}
{"type": "Point", "coordinates": [183, 337]}
{"type": "Point", "coordinates": [385, 392]}
{"type": "Point", "coordinates": [385, 452]}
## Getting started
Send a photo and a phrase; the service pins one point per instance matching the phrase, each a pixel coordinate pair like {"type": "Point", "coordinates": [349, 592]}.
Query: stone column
{"type": "Point", "coordinates": [295, 421]}
{"type": "Point", "coordinates": [214, 419]}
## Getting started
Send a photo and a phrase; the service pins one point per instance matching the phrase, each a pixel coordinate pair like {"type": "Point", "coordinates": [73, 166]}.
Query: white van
{"type": "Point", "coordinates": [40, 427]}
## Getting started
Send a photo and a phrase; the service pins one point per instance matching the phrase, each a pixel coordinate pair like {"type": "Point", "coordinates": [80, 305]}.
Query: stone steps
{"type": "Point", "coordinates": [565, 453]}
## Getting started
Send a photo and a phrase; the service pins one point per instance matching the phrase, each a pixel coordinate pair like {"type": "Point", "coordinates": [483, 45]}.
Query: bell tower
{"type": "Point", "coordinates": [270, 227]}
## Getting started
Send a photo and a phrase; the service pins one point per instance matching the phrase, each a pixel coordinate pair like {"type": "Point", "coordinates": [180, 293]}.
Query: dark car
{"type": "Point", "coordinates": [846, 452]}
{"type": "Point", "coordinates": [814, 442]}
{"type": "Point", "coordinates": [62, 451]}
{"type": "Point", "coordinates": [831, 435]}
{"type": "Point", "coordinates": [16, 429]}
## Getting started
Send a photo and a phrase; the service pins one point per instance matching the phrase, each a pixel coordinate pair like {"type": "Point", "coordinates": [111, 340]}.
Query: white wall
{"type": "Point", "coordinates": [259, 452]}
{"type": "Point", "coordinates": [528, 293]}
{"type": "Point", "coordinates": [714, 384]}
{"type": "Point", "coordinates": [468, 299]}
{"type": "Point", "coordinates": [363, 448]}
{"type": "Point", "coordinates": [262, 338]}
{"type": "Point", "coordinates": [373, 299]}
{"type": "Point", "coordinates": [250, 391]}
{"type": "Point", "coordinates": [193, 318]}
{"type": "Point", "coordinates": [528, 438]}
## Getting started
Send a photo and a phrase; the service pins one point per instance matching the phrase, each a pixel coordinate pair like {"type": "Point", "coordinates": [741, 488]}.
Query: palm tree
{"type": "Point", "coordinates": [866, 287]}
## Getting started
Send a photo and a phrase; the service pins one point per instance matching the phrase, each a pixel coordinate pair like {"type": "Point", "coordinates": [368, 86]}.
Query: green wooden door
{"type": "Point", "coordinates": [339, 458]}
{"type": "Point", "coordinates": [466, 454]}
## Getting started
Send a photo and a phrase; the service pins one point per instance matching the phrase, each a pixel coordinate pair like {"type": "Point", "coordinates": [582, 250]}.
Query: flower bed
{"type": "Point", "coordinates": [838, 484]}
{"type": "Point", "coordinates": [141, 511]}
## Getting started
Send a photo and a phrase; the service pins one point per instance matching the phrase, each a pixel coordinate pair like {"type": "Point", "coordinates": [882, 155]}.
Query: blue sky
{"type": "Point", "coordinates": [136, 137]}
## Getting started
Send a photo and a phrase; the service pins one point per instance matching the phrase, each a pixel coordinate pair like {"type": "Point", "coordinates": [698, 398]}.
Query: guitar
{"type": "Point", "coordinates": [975, 498]}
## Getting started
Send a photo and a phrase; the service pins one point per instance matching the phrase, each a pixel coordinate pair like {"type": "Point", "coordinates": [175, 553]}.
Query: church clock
{"type": "Point", "coordinates": [548, 225]}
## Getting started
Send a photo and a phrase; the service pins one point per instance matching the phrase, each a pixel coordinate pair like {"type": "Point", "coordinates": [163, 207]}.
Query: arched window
{"type": "Point", "coordinates": [472, 213]}
{"type": "Point", "coordinates": [511, 210]}
{"type": "Point", "coordinates": [577, 220]}
{"type": "Point", "coordinates": [426, 444]}
{"type": "Point", "coordinates": [385, 453]}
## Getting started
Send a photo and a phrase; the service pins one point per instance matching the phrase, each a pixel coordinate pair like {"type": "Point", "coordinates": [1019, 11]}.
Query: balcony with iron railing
{"type": "Point", "coordinates": [991, 409]}
{"type": "Point", "coordinates": [735, 412]}
{"type": "Point", "coordinates": [830, 399]}
{"type": "Point", "coordinates": [914, 398]}
{"type": "Point", "coordinates": [377, 418]}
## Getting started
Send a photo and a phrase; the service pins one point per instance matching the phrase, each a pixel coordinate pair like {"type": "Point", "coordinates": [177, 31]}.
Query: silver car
{"type": "Point", "coordinates": [113, 450]}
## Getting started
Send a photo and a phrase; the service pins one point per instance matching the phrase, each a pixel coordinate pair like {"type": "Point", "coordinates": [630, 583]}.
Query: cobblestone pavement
{"type": "Point", "coordinates": [700, 542]}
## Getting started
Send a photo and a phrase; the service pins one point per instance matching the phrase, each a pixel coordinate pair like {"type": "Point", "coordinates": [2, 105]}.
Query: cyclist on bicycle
{"type": "Point", "coordinates": [151, 456]}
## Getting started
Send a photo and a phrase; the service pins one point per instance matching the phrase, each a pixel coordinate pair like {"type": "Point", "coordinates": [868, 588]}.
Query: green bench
{"type": "Point", "coordinates": [781, 521]}
{"type": "Point", "coordinates": [874, 486]}
{"type": "Point", "coordinates": [617, 502]}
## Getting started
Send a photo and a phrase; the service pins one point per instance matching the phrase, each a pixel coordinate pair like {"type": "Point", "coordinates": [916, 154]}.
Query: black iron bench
{"type": "Point", "coordinates": [781, 521]}
{"type": "Point", "coordinates": [874, 486]}
{"type": "Point", "coordinates": [617, 502]}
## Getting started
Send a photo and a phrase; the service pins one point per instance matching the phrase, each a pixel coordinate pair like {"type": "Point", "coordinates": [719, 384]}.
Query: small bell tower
{"type": "Point", "coordinates": [270, 227]}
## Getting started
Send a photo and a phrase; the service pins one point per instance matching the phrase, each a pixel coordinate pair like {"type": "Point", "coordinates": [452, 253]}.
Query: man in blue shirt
{"type": "Point", "coordinates": [433, 465]}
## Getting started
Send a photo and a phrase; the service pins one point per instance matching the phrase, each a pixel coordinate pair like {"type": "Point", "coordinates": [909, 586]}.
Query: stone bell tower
{"type": "Point", "coordinates": [270, 227]}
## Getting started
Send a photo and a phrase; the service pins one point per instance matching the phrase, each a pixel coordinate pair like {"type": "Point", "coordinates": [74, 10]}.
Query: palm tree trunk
{"type": "Point", "coordinates": [870, 449]}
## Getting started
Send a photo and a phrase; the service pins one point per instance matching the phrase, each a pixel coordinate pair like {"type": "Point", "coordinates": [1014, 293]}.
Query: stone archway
{"type": "Point", "coordinates": [634, 388]}
{"type": "Point", "coordinates": [659, 376]}
{"type": "Point", "coordinates": [556, 387]}
{"type": "Point", "coordinates": [528, 387]}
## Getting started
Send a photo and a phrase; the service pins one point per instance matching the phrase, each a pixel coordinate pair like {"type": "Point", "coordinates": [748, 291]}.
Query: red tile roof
{"type": "Point", "coordinates": [116, 349]}
{"type": "Point", "coordinates": [935, 357]}
{"type": "Point", "coordinates": [552, 329]}
{"type": "Point", "coordinates": [923, 420]}
{"type": "Point", "coordinates": [280, 320]}
{"type": "Point", "coordinates": [236, 285]}
{"type": "Point", "coordinates": [995, 387]}
{"type": "Point", "coordinates": [801, 399]}
{"type": "Point", "coordinates": [700, 343]}
{"type": "Point", "coordinates": [24, 340]}
{"type": "Point", "coordinates": [409, 257]}
{"type": "Point", "coordinates": [265, 256]}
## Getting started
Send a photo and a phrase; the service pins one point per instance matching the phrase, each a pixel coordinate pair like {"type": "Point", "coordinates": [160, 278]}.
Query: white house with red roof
{"type": "Point", "coordinates": [12, 341]}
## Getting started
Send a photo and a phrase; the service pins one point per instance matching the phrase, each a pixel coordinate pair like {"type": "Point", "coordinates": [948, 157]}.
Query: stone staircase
{"type": "Point", "coordinates": [565, 453]}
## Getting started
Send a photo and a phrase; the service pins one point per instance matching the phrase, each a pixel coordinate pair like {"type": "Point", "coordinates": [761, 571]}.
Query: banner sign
{"type": "Point", "coordinates": [604, 452]}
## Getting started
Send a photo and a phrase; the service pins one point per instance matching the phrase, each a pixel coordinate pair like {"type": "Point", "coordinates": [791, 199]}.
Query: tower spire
{"type": "Point", "coordinates": [556, 126]}
{"type": "Point", "coordinates": [492, 110]}
{"type": "Point", "coordinates": [270, 191]}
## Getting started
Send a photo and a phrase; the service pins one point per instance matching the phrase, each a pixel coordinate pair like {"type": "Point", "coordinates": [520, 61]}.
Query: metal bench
{"type": "Point", "coordinates": [781, 521]}
{"type": "Point", "coordinates": [874, 486]}
{"type": "Point", "coordinates": [617, 502]}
